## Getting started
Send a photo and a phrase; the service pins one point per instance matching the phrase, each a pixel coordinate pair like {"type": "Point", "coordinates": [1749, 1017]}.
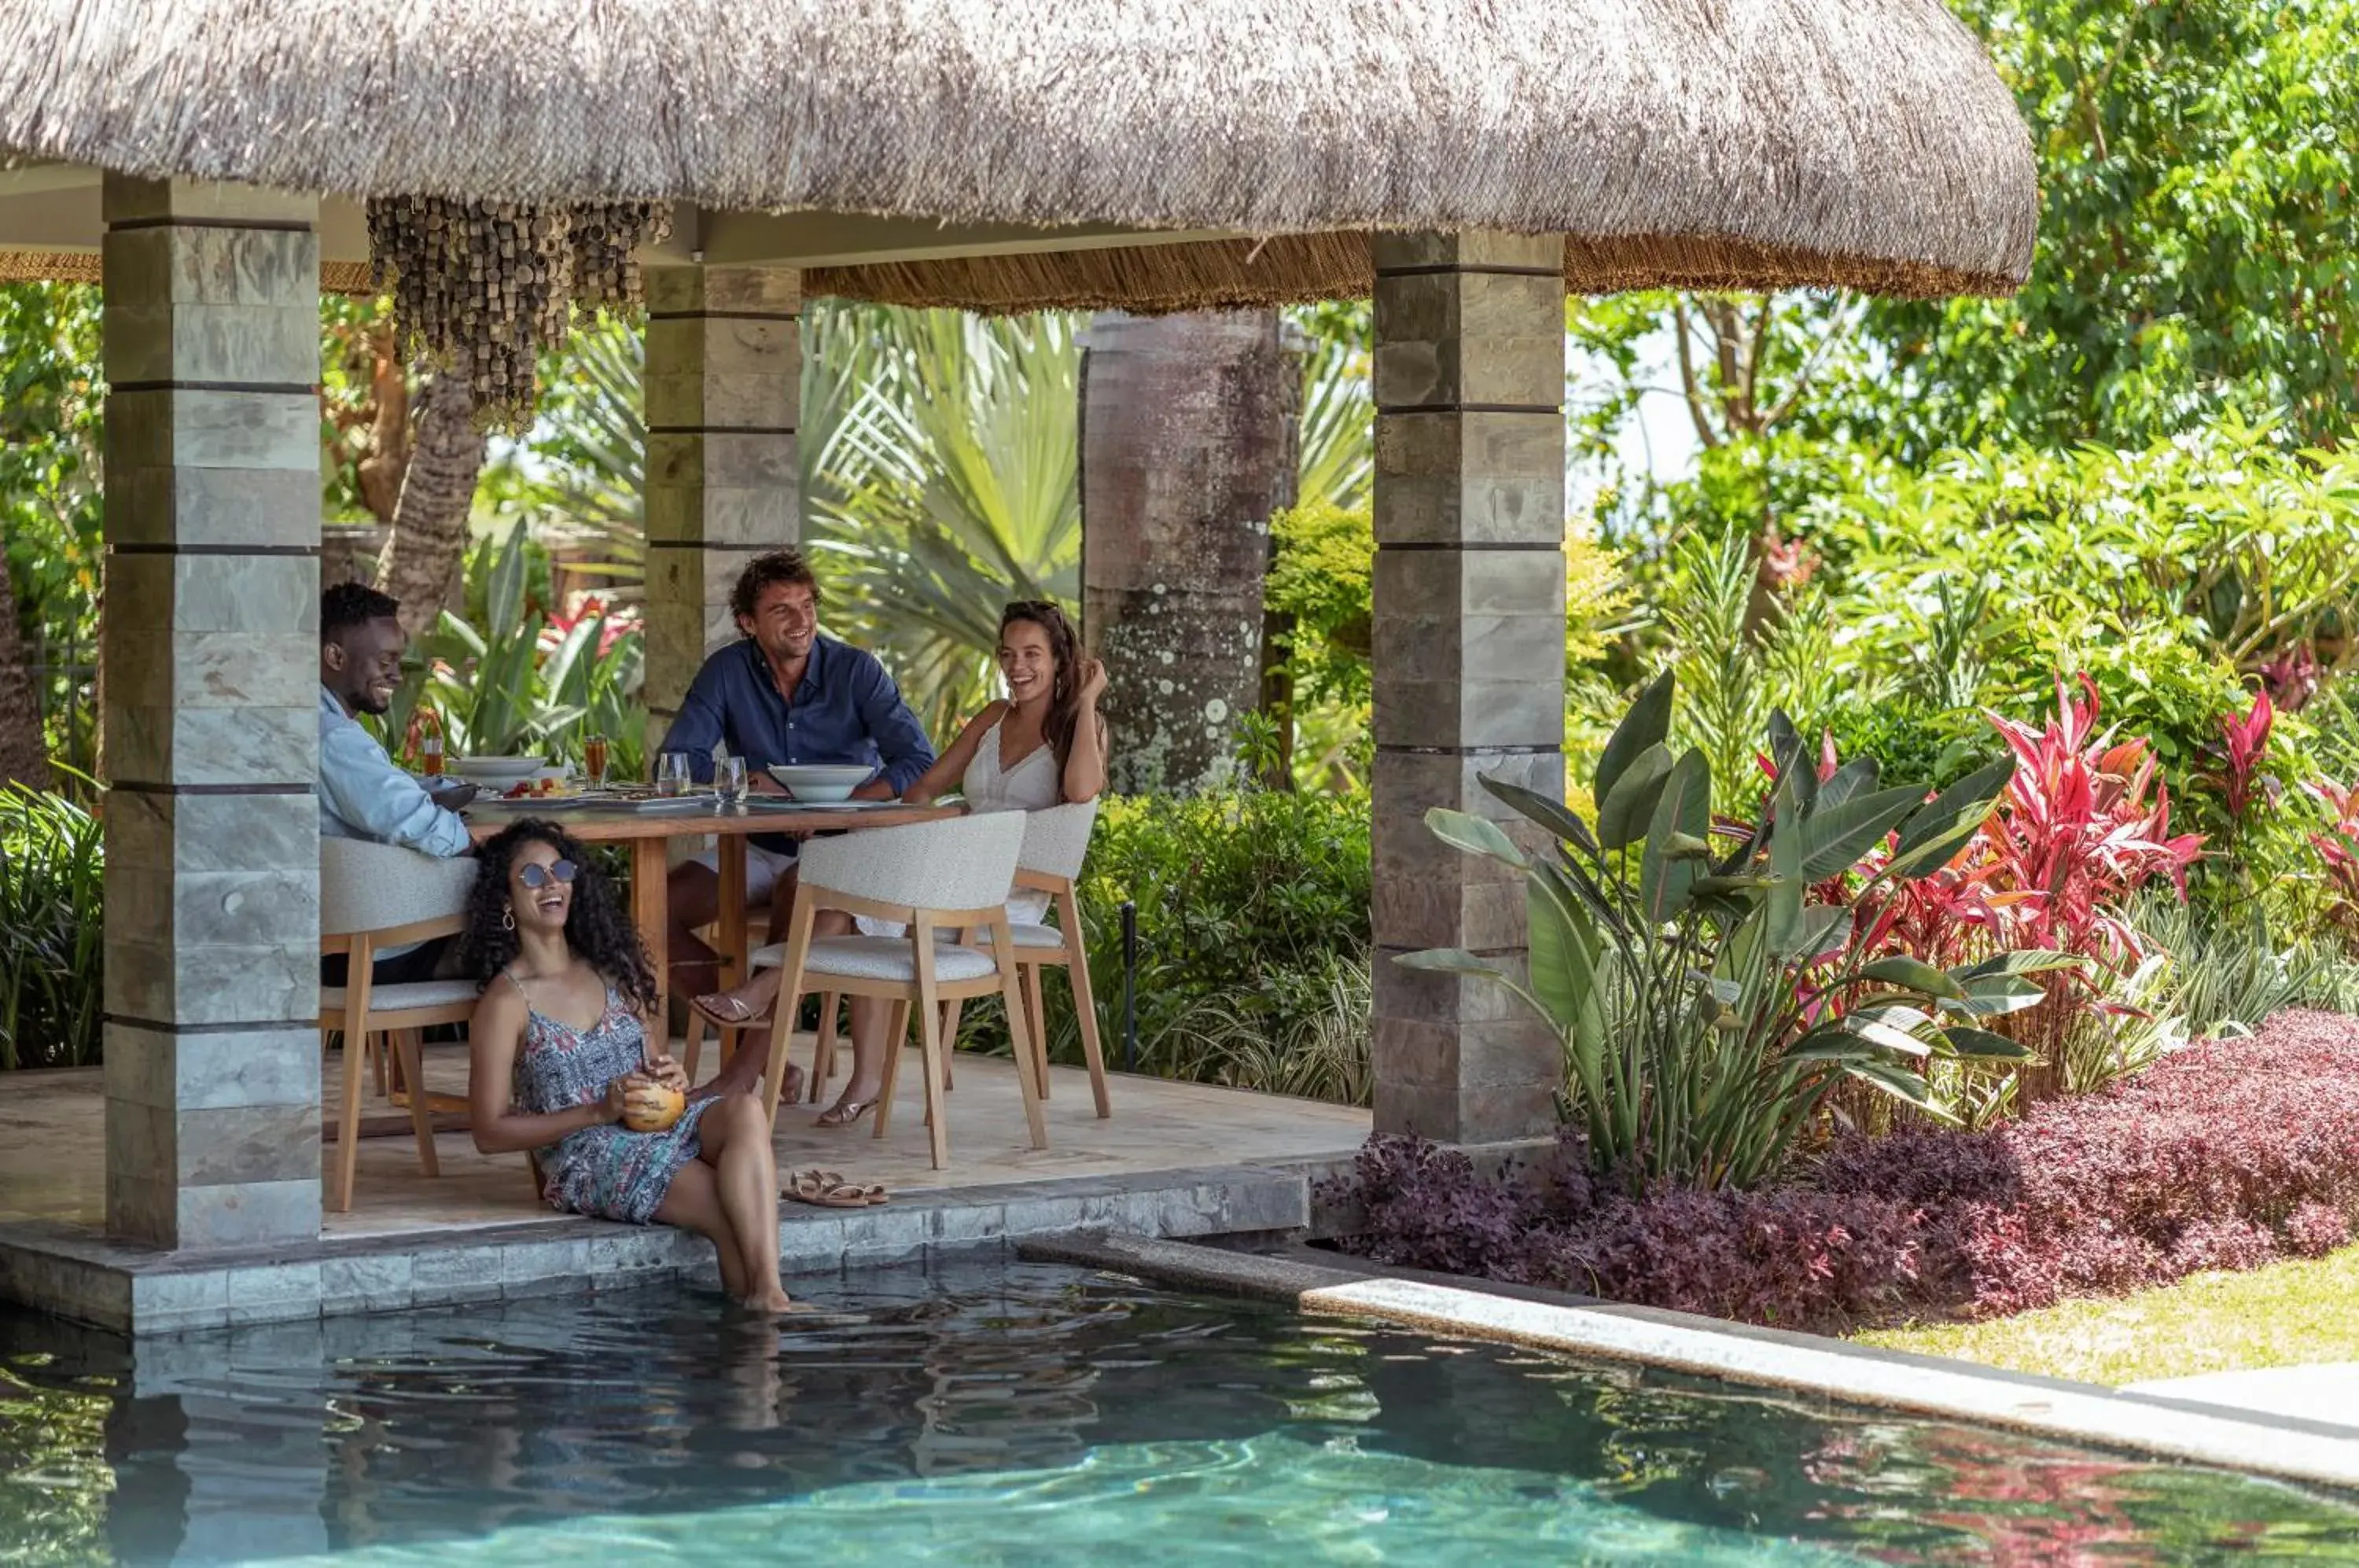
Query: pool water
{"type": "Point", "coordinates": [992, 1413]}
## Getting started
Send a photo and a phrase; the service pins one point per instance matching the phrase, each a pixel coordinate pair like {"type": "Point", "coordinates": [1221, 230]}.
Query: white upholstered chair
{"type": "Point", "coordinates": [934, 879]}
{"type": "Point", "coordinates": [373, 897]}
{"type": "Point", "coordinates": [1056, 842]}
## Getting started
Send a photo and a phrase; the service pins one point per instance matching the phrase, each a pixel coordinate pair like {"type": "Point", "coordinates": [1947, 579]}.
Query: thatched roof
{"type": "Point", "coordinates": [1727, 143]}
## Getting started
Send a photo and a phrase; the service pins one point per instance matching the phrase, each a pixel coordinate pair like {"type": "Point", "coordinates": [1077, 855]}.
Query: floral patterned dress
{"type": "Point", "coordinates": [607, 1171]}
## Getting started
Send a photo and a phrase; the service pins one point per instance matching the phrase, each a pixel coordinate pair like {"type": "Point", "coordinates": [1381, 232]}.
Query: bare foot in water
{"type": "Point", "coordinates": [775, 1301]}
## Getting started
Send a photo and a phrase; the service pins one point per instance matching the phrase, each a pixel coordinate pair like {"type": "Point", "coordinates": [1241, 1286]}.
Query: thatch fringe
{"type": "Point", "coordinates": [1740, 141]}
{"type": "Point", "coordinates": [1297, 268]}
{"type": "Point", "coordinates": [1208, 274]}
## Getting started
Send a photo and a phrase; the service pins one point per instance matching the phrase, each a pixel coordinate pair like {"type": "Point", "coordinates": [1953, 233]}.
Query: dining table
{"type": "Point", "coordinates": [651, 825]}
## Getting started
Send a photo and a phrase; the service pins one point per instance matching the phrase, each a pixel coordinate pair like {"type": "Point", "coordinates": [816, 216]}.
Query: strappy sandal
{"type": "Point", "coordinates": [748, 1018]}
{"type": "Point", "coordinates": [873, 1191]}
{"type": "Point", "coordinates": [814, 1188]}
{"type": "Point", "coordinates": [843, 1113]}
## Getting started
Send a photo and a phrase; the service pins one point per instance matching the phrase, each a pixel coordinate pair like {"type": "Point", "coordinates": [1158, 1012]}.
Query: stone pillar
{"type": "Point", "coordinates": [723, 391]}
{"type": "Point", "coordinates": [1469, 658]}
{"type": "Point", "coordinates": [209, 641]}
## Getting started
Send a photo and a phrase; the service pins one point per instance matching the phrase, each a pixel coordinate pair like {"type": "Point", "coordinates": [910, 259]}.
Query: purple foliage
{"type": "Point", "coordinates": [2316, 1230]}
{"type": "Point", "coordinates": [2223, 1155]}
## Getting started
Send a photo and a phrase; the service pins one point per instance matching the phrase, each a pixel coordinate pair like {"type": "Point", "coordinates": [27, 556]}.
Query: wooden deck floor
{"type": "Point", "coordinates": [52, 1157]}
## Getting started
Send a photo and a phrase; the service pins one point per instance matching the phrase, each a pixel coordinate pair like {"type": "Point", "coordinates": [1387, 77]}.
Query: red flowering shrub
{"type": "Point", "coordinates": [2222, 1156]}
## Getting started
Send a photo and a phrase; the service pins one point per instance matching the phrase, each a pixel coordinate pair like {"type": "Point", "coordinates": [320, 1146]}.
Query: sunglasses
{"type": "Point", "coordinates": [534, 875]}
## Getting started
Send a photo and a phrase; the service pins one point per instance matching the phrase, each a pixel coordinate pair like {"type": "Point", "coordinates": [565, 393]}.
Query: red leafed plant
{"type": "Point", "coordinates": [615, 625]}
{"type": "Point", "coordinates": [2242, 743]}
{"type": "Point", "coordinates": [2084, 824]}
{"type": "Point", "coordinates": [2339, 847]}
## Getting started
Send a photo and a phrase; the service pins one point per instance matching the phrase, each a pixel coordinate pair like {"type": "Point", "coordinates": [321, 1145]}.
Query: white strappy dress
{"type": "Point", "coordinates": [1032, 785]}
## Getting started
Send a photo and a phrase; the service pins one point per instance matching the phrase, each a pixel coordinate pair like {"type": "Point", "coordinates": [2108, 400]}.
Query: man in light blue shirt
{"type": "Point", "coordinates": [363, 793]}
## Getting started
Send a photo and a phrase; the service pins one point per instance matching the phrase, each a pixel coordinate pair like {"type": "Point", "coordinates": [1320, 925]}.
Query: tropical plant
{"type": "Point", "coordinates": [2229, 971]}
{"type": "Point", "coordinates": [51, 430]}
{"type": "Point", "coordinates": [940, 481]}
{"type": "Point", "coordinates": [2338, 852]}
{"type": "Point", "coordinates": [1336, 455]}
{"type": "Point", "coordinates": [52, 930]}
{"type": "Point", "coordinates": [2083, 826]}
{"type": "Point", "coordinates": [591, 441]}
{"type": "Point", "coordinates": [1251, 915]}
{"type": "Point", "coordinates": [522, 680]}
{"type": "Point", "coordinates": [1707, 1002]}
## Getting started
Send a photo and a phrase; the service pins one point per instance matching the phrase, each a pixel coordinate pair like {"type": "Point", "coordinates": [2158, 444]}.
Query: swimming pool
{"type": "Point", "coordinates": [993, 1412]}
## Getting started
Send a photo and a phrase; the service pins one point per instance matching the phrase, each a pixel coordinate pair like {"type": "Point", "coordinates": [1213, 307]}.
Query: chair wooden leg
{"type": "Point", "coordinates": [411, 1043]}
{"type": "Point", "coordinates": [1085, 1006]}
{"type": "Point", "coordinates": [950, 1010]}
{"type": "Point", "coordinates": [348, 1125]}
{"type": "Point", "coordinates": [1036, 1022]}
{"type": "Point", "coordinates": [930, 1057]}
{"type": "Point", "coordinates": [1011, 991]}
{"type": "Point", "coordinates": [824, 1052]}
{"type": "Point", "coordinates": [791, 991]}
{"type": "Point", "coordinates": [897, 1035]}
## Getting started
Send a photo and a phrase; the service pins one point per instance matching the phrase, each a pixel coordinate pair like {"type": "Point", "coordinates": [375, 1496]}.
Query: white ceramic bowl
{"type": "Point", "coordinates": [820, 785]}
{"type": "Point", "coordinates": [498, 772]}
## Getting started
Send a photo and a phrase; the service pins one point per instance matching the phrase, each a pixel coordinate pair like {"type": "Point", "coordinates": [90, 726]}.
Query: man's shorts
{"type": "Point", "coordinates": [763, 869]}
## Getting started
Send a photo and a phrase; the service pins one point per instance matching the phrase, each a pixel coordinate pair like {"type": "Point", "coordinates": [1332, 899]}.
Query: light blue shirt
{"type": "Point", "coordinates": [364, 795]}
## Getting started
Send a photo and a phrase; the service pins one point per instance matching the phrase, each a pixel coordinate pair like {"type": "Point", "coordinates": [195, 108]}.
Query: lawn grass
{"type": "Point", "coordinates": [2281, 1315]}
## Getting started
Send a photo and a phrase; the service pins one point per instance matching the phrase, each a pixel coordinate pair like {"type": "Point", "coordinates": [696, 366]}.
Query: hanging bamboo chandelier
{"type": "Point", "coordinates": [480, 288]}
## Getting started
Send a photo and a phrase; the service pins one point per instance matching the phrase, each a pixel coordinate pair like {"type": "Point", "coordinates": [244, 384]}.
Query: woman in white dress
{"type": "Point", "coordinates": [1044, 745]}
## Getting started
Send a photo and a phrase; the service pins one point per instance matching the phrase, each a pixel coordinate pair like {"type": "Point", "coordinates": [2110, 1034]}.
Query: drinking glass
{"type": "Point", "coordinates": [594, 761]}
{"type": "Point", "coordinates": [671, 773]}
{"type": "Point", "coordinates": [728, 781]}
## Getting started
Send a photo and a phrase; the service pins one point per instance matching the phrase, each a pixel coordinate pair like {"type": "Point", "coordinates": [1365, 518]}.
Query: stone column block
{"type": "Point", "coordinates": [1471, 478]}
{"type": "Point", "coordinates": [724, 371]}
{"type": "Point", "coordinates": [210, 728]}
{"type": "Point", "coordinates": [1468, 659]}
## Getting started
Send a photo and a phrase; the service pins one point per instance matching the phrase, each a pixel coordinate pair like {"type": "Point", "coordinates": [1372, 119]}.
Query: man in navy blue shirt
{"type": "Point", "coordinates": [782, 693]}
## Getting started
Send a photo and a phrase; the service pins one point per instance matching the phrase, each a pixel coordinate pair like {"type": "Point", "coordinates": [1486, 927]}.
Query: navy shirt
{"type": "Point", "coordinates": [846, 710]}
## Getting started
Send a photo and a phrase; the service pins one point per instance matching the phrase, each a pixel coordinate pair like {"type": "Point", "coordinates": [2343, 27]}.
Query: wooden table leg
{"type": "Point", "coordinates": [732, 934]}
{"type": "Point", "coordinates": [650, 866]}
{"type": "Point", "coordinates": [732, 909]}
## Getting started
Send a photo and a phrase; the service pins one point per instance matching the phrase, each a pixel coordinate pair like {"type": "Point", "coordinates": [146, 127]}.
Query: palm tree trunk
{"type": "Point", "coordinates": [429, 525]}
{"type": "Point", "coordinates": [24, 755]}
{"type": "Point", "coordinates": [1187, 445]}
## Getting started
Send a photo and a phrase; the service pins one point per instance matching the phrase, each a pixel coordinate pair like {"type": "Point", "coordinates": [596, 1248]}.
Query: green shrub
{"type": "Point", "coordinates": [1253, 941]}
{"type": "Point", "coordinates": [52, 931]}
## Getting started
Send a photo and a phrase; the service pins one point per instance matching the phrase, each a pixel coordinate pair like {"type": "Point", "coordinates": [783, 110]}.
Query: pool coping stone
{"type": "Point", "coordinates": [79, 1272]}
{"type": "Point", "coordinates": [1338, 1285]}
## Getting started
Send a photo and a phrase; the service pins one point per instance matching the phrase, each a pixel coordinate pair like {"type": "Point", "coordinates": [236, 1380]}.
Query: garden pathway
{"type": "Point", "coordinates": [2327, 1392]}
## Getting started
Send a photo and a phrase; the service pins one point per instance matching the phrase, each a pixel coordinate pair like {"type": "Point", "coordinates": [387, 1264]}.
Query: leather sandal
{"type": "Point", "coordinates": [715, 1016]}
{"type": "Point", "coordinates": [843, 1113]}
{"type": "Point", "coordinates": [814, 1187]}
{"type": "Point", "coordinates": [872, 1191]}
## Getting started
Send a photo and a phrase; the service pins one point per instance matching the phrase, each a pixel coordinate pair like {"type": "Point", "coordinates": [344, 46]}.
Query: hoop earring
{"type": "Point", "coordinates": [507, 918]}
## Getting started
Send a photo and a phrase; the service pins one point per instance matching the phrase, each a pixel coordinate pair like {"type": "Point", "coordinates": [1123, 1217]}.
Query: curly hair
{"type": "Point", "coordinates": [764, 571]}
{"type": "Point", "coordinates": [1065, 695]}
{"type": "Point", "coordinates": [597, 927]}
{"type": "Point", "coordinates": [348, 605]}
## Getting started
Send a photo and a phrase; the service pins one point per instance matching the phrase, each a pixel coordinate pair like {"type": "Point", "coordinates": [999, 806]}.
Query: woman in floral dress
{"type": "Point", "coordinates": [559, 1054]}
